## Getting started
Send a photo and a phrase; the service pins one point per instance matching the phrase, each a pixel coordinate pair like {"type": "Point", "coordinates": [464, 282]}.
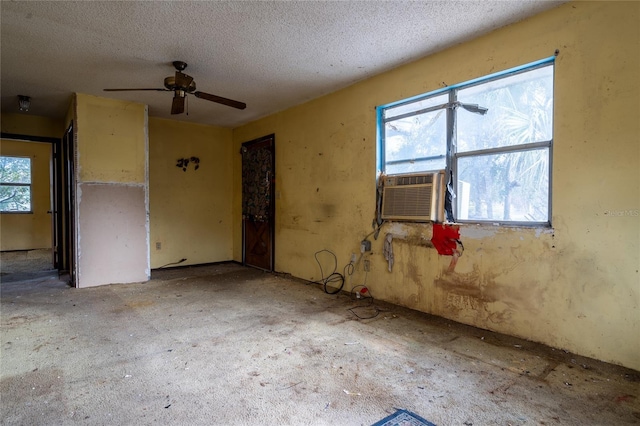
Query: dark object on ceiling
{"type": "Point", "coordinates": [182, 84]}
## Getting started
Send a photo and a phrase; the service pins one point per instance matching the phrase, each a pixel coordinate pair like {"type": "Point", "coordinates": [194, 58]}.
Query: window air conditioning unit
{"type": "Point", "coordinates": [414, 197]}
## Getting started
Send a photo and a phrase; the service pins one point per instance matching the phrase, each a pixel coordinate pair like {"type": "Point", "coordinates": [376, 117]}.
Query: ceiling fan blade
{"type": "Point", "coordinates": [130, 90]}
{"type": "Point", "coordinates": [177, 106]}
{"type": "Point", "coordinates": [220, 100]}
{"type": "Point", "coordinates": [183, 81]}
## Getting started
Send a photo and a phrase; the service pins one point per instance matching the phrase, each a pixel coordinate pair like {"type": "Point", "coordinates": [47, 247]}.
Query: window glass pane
{"type": "Point", "coordinates": [15, 180]}
{"type": "Point", "coordinates": [520, 110]}
{"type": "Point", "coordinates": [510, 186]}
{"type": "Point", "coordinates": [415, 140]}
{"type": "Point", "coordinates": [416, 166]}
{"type": "Point", "coordinates": [416, 106]}
{"type": "Point", "coordinates": [15, 198]}
{"type": "Point", "coordinates": [15, 170]}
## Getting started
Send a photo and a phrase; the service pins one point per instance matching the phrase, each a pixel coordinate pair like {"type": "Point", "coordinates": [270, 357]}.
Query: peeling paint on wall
{"type": "Point", "coordinates": [573, 286]}
{"type": "Point", "coordinates": [417, 234]}
{"type": "Point", "coordinates": [478, 231]}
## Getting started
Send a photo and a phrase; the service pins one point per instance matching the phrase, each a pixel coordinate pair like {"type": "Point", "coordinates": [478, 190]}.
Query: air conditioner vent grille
{"type": "Point", "coordinates": [418, 198]}
{"type": "Point", "coordinates": [414, 202]}
{"type": "Point", "coordinates": [414, 180]}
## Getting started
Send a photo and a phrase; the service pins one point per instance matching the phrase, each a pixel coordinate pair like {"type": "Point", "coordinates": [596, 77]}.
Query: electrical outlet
{"type": "Point", "coordinates": [367, 266]}
{"type": "Point", "coordinates": [158, 245]}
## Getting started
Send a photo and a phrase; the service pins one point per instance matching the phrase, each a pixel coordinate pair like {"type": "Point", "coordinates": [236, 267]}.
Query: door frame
{"type": "Point", "coordinates": [54, 184]}
{"type": "Point", "coordinates": [67, 186]}
{"type": "Point", "coordinates": [272, 206]}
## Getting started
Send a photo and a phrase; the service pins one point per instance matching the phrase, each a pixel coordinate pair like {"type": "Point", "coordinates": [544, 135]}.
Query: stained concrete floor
{"type": "Point", "coordinates": [21, 265]}
{"type": "Point", "coordinates": [228, 345]}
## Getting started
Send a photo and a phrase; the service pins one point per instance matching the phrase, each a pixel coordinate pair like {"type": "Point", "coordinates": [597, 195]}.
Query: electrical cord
{"type": "Point", "coordinates": [334, 277]}
{"type": "Point", "coordinates": [357, 292]}
{"type": "Point", "coordinates": [376, 230]}
{"type": "Point", "coordinates": [365, 300]}
{"type": "Point", "coordinates": [172, 263]}
{"type": "Point", "coordinates": [362, 317]}
{"type": "Point", "coordinates": [363, 295]}
{"type": "Point", "coordinates": [348, 269]}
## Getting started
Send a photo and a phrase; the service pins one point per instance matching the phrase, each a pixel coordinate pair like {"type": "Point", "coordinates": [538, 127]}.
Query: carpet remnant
{"type": "Point", "coordinates": [403, 418]}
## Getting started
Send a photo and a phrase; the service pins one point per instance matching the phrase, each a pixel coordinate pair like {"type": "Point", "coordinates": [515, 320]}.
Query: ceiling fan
{"type": "Point", "coordinates": [182, 84]}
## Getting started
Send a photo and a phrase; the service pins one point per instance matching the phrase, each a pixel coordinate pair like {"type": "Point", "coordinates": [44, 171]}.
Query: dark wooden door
{"type": "Point", "coordinates": [258, 189]}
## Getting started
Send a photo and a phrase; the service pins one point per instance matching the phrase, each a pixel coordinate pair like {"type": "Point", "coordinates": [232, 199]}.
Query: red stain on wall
{"type": "Point", "coordinates": [445, 238]}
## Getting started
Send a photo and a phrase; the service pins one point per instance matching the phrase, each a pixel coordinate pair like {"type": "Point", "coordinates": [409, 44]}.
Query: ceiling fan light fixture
{"type": "Point", "coordinates": [24, 102]}
{"type": "Point", "coordinates": [177, 105]}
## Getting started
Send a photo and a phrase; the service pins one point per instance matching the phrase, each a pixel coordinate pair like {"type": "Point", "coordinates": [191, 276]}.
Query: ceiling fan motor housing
{"type": "Point", "coordinates": [170, 83]}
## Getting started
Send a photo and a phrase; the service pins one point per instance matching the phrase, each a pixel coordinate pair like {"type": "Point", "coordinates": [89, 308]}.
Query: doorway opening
{"type": "Point", "coordinates": [41, 239]}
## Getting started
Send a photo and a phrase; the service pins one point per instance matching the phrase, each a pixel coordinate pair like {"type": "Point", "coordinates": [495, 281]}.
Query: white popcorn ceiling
{"type": "Point", "coordinates": [269, 54]}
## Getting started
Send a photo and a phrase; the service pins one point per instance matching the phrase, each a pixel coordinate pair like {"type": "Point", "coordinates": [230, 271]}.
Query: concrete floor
{"type": "Point", "coordinates": [223, 344]}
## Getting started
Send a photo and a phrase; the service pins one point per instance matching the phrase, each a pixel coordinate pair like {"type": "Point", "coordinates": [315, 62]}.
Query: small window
{"type": "Point", "coordinates": [15, 184]}
{"type": "Point", "coordinates": [493, 137]}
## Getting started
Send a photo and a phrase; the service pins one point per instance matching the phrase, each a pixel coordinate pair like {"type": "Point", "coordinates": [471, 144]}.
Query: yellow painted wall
{"type": "Point", "coordinates": [110, 148]}
{"type": "Point", "coordinates": [575, 286]}
{"type": "Point", "coordinates": [112, 223]}
{"type": "Point", "coordinates": [190, 211]}
{"type": "Point", "coordinates": [26, 231]}
{"type": "Point", "coordinates": [31, 125]}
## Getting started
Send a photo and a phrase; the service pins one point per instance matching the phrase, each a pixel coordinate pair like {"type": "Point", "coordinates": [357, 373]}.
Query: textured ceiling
{"type": "Point", "coordinates": [269, 54]}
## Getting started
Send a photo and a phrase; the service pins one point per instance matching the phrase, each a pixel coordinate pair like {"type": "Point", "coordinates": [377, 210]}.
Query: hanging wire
{"type": "Point", "coordinates": [362, 295]}
{"type": "Point", "coordinates": [359, 293]}
{"type": "Point", "coordinates": [334, 277]}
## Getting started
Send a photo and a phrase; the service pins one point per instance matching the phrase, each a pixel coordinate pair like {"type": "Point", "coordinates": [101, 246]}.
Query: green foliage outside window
{"type": "Point", "coordinates": [15, 184]}
{"type": "Point", "coordinates": [494, 138]}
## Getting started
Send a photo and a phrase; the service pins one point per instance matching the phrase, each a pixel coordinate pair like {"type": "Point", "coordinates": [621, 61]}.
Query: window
{"type": "Point", "coordinates": [15, 184]}
{"type": "Point", "coordinates": [493, 136]}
